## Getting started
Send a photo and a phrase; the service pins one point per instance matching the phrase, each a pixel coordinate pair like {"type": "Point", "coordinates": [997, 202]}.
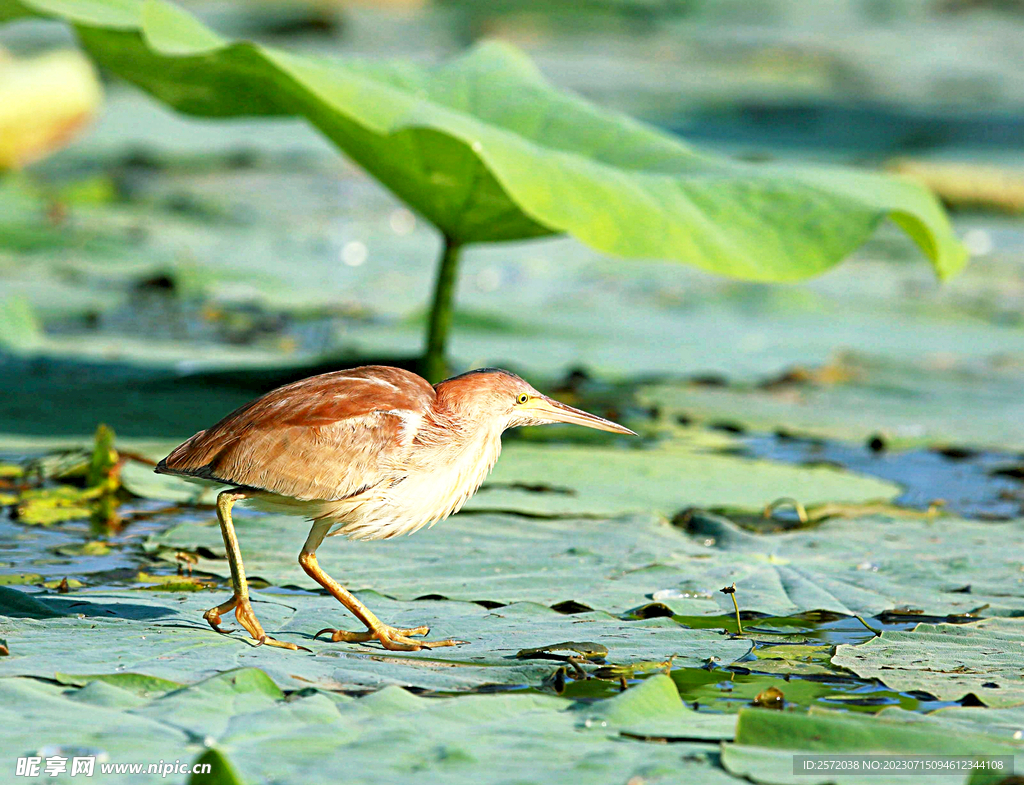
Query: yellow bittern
{"type": "Point", "coordinates": [370, 453]}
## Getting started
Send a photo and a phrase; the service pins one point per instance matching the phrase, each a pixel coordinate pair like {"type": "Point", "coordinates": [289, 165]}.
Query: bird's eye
{"type": "Point", "coordinates": [522, 398]}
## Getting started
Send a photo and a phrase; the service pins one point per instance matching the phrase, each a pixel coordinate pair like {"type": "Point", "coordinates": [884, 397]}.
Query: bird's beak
{"type": "Point", "coordinates": [551, 411]}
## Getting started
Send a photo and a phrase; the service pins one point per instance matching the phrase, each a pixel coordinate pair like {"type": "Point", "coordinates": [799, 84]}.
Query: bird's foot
{"type": "Point", "coordinates": [247, 618]}
{"type": "Point", "coordinates": [212, 616]}
{"type": "Point", "coordinates": [391, 638]}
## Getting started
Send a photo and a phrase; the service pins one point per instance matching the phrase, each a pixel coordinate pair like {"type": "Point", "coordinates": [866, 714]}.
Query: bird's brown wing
{"type": "Point", "coordinates": [326, 437]}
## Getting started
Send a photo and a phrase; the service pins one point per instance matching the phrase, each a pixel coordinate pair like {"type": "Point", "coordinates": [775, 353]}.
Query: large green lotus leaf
{"type": "Point", "coordinates": [950, 661]}
{"type": "Point", "coordinates": [553, 479]}
{"type": "Point", "coordinates": [612, 565]}
{"type": "Point", "coordinates": [487, 150]}
{"type": "Point", "coordinates": [596, 481]}
{"type": "Point", "coordinates": [766, 742]}
{"type": "Point", "coordinates": [618, 564]}
{"type": "Point", "coordinates": [906, 402]}
{"type": "Point", "coordinates": [386, 737]}
{"type": "Point", "coordinates": [608, 564]}
{"type": "Point", "coordinates": [655, 710]}
{"type": "Point", "coordinates": [163, 635]}
{"type": "Point", "coordinates": [1006, 725]}
{"type": "Point", "coordinates": [865, 565]}
{"type": "Point", "coordinates": [118, 688]}
{"type": "Point", "coordinates": [141, 480]}
{"type": "Point", "coordinates": [833, 731]}
{"type": "Point", "coordinates": [46, 719]}
{"type": "Point", "coordinates": [17, 605]}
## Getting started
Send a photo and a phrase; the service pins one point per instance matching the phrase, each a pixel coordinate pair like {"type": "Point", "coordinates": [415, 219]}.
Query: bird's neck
{"type": "Point", "coordinates": [452, 434]}
{"type": "Point", "coordinates": [467, 446]}
{"type": "Point", "coordinates": [457, 455]}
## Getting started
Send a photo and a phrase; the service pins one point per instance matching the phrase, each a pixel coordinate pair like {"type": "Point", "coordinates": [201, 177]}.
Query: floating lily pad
{"type": "Point", "coordinates": [653, 709]}
{"type": "Point", "coordinates": [164, 636]}
{"type": "Point", "coordinates": [796, 659]}
{"type": "Point", "coordinates": [1006, 725]}
{"type": "Point", "coordinates": [63, 584]}
{"type": "Point", "coordinates": [864, 566]}
{"type": "Point", "coordinates": [610, 565]}
{"type": "Point", "coordinates": [665, 480]}
{"type": "Point", "coordinates": [174, 583]}
{"type": "Point", "coordinates": [905, 402]}
{"type": "Point", "coordinates": [766, 742]}
{"type": "Point", "coordinates": [940, 567]}
{"type": "Point", "coordinates": [130, 682]}
{"type": "Point", "coordinates": [20, 578]}
{"type": "Point", "coordinates": [110, 733]}
{"type": "Point", "coordinates": [88, 548]}
{"type": "Point", "coordinates": [47, 506]}
{"type": "Point", "coordinates": [950, 661]}
{"type": "Point", "coordinates": [16, 604]}
{"type": "Point", "coordinates": [632, 670]}
{"type": "Point", "coordinates": [10, 470]}
{"type": "Point", "coordinates": [388, 736]}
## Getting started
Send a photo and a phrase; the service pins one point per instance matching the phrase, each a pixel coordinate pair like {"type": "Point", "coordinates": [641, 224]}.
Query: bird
{"type": "Point", "coordinates": [369, 453]}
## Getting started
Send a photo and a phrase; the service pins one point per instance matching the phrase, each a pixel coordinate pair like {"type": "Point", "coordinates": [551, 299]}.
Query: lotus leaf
{"type": "Point", "coordinates": [164, 636]}
{"type": "Point", "coordinates": [950, 661]}
{"type": "Point", "coordinates": [384, 737]}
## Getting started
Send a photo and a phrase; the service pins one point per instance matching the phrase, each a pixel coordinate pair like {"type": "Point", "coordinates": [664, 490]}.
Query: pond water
{"type": "Point", "coordinates": [980, 484]}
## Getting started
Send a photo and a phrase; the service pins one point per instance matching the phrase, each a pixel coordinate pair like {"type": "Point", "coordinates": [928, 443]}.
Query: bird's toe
{"type": "Point", "coordinates": [212, 616]}
{"type": "Point", "coordinates": [404, 643]}
{"type": "Point", "coordinates": [423, 629]}
{"type": "Point", "coordinates": [391, 638]}
{"type": "Point", "coordinates": [346, 636]}
{"type": "Point", "coordinates": [441, 644]}
{"type": "Point", "coordinates": [400, 643]}
{"type": "Point", "coordinates": [266, 640]}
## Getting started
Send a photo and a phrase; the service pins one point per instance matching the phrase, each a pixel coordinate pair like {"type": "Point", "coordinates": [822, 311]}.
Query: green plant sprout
{"type": "Point", "coordinates": [788, 501]}
{"type": "Point", "coordinates": [874, 630]}
{"type": "Point", "coordinates": [731, 591]}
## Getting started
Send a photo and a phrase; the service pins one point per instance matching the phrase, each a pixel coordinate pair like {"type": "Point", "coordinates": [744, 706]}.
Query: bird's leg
{"type": "Point", "coordinates": [393, 638]}
{"type": "Point", "coordinates": [239, 601]}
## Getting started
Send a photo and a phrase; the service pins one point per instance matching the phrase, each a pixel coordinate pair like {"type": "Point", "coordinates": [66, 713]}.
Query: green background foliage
{"type": "Point", "coordinates": [487, 151]}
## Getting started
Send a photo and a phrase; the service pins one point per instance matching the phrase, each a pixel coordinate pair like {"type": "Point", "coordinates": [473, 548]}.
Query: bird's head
{"type": "Point", "coordinates": [490, 396]}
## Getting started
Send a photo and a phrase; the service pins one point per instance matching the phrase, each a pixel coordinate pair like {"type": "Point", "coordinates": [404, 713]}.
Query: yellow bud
{"type": "Point", "coordinates": [44, 102]}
